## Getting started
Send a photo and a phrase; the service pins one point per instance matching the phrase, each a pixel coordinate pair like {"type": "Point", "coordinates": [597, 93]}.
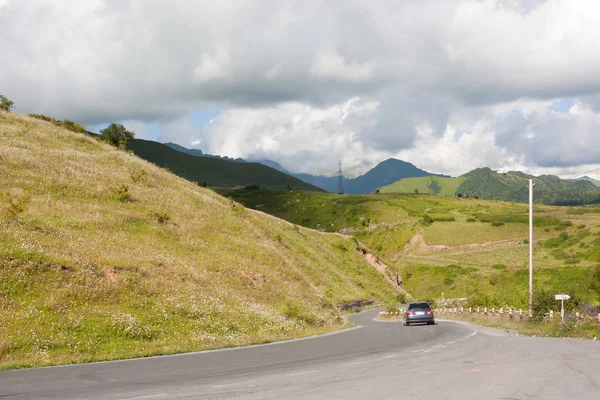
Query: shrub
{"type": "Point", "coordinates": [42, 117]}
{"type": "Point", "coordinates": [122, 193]}
{"type": "Point", "coordinates": [426, 220]}
{"type": "Point", "coordinates": [117, 135]}
{"type": "Point", "coordinates": [252, 187]}
{"type": "Point", "coordinates": [401, 298]}
{"type": "Point", "coordinates": [497, 223]}
{"type": "Point", "coordinates": [161, 217]}
{"type": "Point", "coordinates": [5, 104]}
{"type": "Point", "coordinates": [72, 126]}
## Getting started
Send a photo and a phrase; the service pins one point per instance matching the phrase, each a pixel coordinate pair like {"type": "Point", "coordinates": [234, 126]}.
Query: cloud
{"type": "Point", "coordinates": [486, 70]}
{"type": "Point", "coordinates": [333, 66]}
{"type": "Point", "coordinates": [309, 139]}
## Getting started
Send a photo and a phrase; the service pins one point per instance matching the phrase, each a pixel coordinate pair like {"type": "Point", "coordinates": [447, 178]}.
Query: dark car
{"type": "Point", "coordinates": [418, 312]}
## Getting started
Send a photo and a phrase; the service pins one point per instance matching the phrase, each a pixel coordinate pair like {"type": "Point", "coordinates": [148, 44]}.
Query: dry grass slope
{"type": "Point", "coordinates": [104, 256]}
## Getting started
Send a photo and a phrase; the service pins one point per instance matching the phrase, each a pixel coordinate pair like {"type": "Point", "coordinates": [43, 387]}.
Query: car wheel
{"type": "Point", "coordinates": [406, 323]}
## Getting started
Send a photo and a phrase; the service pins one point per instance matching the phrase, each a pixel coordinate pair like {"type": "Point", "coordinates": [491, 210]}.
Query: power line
{"type": "Point", "coordinates": [585, 173]}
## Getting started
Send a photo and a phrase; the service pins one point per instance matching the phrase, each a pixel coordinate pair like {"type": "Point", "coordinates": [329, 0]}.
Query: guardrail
{"type": "Point", "coordinates": [508, 313]}
{"type": "Point", "coordinates": [514, 314]}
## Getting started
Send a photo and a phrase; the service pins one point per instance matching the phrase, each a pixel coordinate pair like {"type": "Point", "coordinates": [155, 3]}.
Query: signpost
{"type": "Point", "coordinates": [562, 298]}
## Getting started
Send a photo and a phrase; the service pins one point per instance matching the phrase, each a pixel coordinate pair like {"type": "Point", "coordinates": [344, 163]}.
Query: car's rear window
{"type": "Point", "coordinates": [419, 306]}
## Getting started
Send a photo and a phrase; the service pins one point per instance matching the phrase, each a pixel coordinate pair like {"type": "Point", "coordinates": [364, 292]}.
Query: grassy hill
{"type": "Point", "coordinates": [430, 184]}
{"type": "Point", "coordinates": [104, 255]}
{"type": "Point", "coordinates": [215, 172]}
{"type": "Point", "coordinates": [457, 246]}
{"type": "Point", "coordinates": [483, 183]}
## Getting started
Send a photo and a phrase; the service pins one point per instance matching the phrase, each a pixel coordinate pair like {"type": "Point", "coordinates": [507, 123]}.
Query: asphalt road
{"type": "Point", "coordinates": [378, 360]}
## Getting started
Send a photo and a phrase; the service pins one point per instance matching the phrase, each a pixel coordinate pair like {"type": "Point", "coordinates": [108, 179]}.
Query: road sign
{"type": "Point", "coordinates": [562, 297]}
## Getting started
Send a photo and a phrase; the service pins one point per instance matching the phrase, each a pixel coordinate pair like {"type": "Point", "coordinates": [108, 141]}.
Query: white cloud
{"type": "Point", "coordinates": [332, 66]}
{"type": "Point", "coordinates": [308, 139]}
{"type": "Point", "coordinates": [284, 72]}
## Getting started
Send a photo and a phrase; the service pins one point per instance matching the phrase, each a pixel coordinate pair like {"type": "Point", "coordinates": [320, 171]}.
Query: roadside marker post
{"type": "Point", "coordinates": [562, 298]}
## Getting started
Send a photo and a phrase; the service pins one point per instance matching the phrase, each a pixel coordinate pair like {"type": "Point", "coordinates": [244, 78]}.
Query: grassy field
{"type": "Point", "coordinates": [460, 247]}
{"type": "Point", "coordinates": [106, 256]}
{"type": "Point", "coordinates": [428, 184]}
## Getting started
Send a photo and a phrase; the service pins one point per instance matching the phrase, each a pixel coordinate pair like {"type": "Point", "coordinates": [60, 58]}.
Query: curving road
{"type": "Point", "coordinates": [377, 360]}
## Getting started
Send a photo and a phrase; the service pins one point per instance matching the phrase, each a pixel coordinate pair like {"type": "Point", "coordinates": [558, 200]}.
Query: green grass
{"type": "Point", "coordinates": [458, 232]}
{"type": "Point", "coordinates": [428, 184]}
{"type": "Point", "coordinates": [106, 256]}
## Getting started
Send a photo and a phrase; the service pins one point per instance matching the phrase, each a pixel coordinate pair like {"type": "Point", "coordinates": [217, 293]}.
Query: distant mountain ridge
{"type": "Point", "coordinates": [215, 171]}
{"type": "Point", "coordinates": [386, 172]}
{"type": "Point", "coordinates": [483, 183]}
{"type": "Point", "coordinates": [587, 178]}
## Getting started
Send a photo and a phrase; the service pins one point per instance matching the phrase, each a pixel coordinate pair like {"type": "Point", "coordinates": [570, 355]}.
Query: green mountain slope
{"type": "Point", "coordinates": [487, 184]}
{"type": "Point", "coordinates": [483, 183]}
{"type": "Point", "coordinates": [215, 172]}
{"type": "Point", "coordinates": [430, 184]}
{"type": "Point", "coordinates": [462, 247]}
{"type": "Point", "coordinates": [104, 255]}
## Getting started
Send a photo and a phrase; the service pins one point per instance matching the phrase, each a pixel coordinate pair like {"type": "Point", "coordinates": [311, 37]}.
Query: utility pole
{"type": "Point", "coordinates": [531, 185]}
{"type": "Point", "coordinates": [340, 180]}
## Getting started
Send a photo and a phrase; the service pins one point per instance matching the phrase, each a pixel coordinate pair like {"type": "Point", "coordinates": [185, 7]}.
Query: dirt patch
{"type": "Point", "coordinates": [110, 273]}
{"type": "Point", "coordinates": [417, 244]}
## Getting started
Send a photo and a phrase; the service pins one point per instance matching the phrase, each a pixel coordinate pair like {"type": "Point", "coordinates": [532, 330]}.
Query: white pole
{"type": "Point", "coordinates": [530, 248]}
{"type": "Point", "coordinates": [562, 310]}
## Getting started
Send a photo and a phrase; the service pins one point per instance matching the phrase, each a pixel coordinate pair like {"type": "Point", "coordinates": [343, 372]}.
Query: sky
{"type": "Point", "coordinates": [449, 85]}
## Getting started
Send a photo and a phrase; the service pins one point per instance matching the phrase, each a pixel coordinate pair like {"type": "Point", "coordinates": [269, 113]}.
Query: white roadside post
{"type": "Point", "coordinates": [530, 248]}
{"type": "Point", "coordinates": [562, 298]}
{"type": "Point", "coordinates": [531, 185]}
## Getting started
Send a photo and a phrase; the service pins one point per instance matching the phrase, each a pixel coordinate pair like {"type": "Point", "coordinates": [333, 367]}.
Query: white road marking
{"type": "Point", "coordinates": [230, 384]}
{"type": "Point", "coordinates": [150, 396]}
{"type": "Point", "coordinates": [352, 363]}
{"type": "Point", "coordinates": [303, 372]}
{"type": "Point", "coordinates": [417, 351]}
{"type": "Point", "coordinates": [390, 356]}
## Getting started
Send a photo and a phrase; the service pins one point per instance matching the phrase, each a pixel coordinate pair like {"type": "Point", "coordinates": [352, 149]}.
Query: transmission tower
{"type": "Point", "coordinates": [340, 180]}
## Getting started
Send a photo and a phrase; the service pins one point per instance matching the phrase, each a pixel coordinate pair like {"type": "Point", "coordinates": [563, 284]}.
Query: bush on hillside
{"type": "Point", "coordinates": [117, 135]}
{"type": "Point", "coordinates": [426, 220]}
{"type": "Point", "coordinates": [72, 126]}
{"type": "Point", "coordinates": [5, 103]}
{"type": "Point", "coordinates": [42, 117]}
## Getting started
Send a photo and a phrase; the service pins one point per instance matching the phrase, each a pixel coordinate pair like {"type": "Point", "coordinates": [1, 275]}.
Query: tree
{"type": "Point", "coordinates": [117, 135]}
{"type": "Point", "coordinates": [5, 104]}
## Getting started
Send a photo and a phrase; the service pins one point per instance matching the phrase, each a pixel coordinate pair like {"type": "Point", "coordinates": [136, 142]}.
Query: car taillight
{"type": "Point", "coordinates": [409, 313]}
{"type": "Point", "coordinates": [429, 312]}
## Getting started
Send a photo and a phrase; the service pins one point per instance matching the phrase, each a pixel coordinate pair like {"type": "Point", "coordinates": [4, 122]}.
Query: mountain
{"type": "Point", "coordinates": [587, 178]}
{"type": "Point", "coordinates": [483, 183]}
{"type": "Point", "coordinates": [194, 152]}
{"type": "Point", "coordinates": [215, 172]}
{"type": "Point", "coordinates": [104, 255]}
{"type": "Point", "coordinates": [198, 153]}
{"type": "Point", "coordinates": [272, 164]}
{"type": "Point", "coordinates": [549, 189]}
{"type": "Point", "coordinates": [386, 172]}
